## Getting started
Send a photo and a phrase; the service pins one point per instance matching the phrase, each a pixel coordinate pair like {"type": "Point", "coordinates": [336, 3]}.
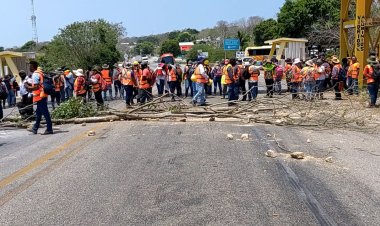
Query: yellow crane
{"type": "Point", "coordinates": [360, 21]}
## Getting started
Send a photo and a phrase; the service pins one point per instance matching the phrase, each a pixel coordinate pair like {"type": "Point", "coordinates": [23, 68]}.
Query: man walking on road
{"type": "Point", "coordinates": [202, 79]}
{"type": "Point", "coordinates": [40, 98]}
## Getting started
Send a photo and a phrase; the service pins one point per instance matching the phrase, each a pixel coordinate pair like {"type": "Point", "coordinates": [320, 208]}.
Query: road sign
{"type": "Point", "coordinates": [240, 54]}
{"type": "Point", "coordinates": [203, 54]}
{"type": "Point", "coordinates": [232, 44]}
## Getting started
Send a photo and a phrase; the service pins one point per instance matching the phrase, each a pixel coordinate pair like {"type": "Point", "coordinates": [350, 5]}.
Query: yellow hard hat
{"type": "Point", "coordinates": [207, 62]}
{"type": "Point", "coordinates": [135, 63]}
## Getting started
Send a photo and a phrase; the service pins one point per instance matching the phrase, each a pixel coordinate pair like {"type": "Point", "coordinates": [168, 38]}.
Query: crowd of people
{"type": "Point", "coordinates": [134, 82]}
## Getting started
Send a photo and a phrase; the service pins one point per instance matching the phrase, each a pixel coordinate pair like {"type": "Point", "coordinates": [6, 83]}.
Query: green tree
{"type": "Point", "coordinates": [84, 44]}
{"type": "Point", "coordinates": [244, 39]}
{"type": "Point", "coordinates": [173, 35]}
{"type": "Point", "coordinates": [265, 30]}
{"type": "Point", "coordinates": [144, 48]}
{"type": "Point", "coordinates": [171, 46]}
{"type": "Point", "coordinates": [185, 37]}
{"type": "Point", "coordinates": [296, 17]}
{"type": "Point", "coordinates": [1, 49]}
{"type": "Point", "coordinates": [28, 47]}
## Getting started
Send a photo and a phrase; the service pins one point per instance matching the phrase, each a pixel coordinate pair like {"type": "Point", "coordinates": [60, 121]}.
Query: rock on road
{"type": "Point", "coordinates": [170, 173]}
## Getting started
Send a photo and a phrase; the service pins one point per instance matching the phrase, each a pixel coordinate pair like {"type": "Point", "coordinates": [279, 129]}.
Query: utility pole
{"type": "Point", "coordinates": [34, 24]}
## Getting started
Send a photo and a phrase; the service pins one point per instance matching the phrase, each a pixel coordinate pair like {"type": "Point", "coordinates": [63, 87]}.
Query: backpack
{"type": "Point", "coordinates": [3, 92]}
{"type": "Point", "coordinates": [376, 73]}
{"type": "Point", "coordinates": [48, 85]}
{"type": "Point", "coordinates": [289, 74]}
{"type": "Point", "coordinates": [342, 74]}
{"type": "Point", "coordinates": [279, 72]}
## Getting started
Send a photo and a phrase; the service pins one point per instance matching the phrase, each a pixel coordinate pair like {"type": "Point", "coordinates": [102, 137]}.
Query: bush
{"type": "Point", "coordinates": [74, 108]}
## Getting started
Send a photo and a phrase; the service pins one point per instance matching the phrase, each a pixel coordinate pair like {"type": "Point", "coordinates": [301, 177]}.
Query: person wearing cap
{"type": "Point", "coordinates": [352, 77]}
{"type": "Point", "coordinates": [372, 75]}
{"type": "Point", "coordinates": [337, 77]}
{"type": "Point", "coordinates": [208, 86]}
{"type": "Point", "coordinates": [80, 85]}
{"type": "Point", "coordinates": [129, 81]}
{"type": "Point", "coordinates": [320, 77]}
{"type": "Point", "coordinates": [188, 72]}
{"type": "Point", "coordinates": [106, 75]}
{"type": "Point", "coordinates": [95, 80]}
{"type": "Point", "coordinates": [40, 99]}
{"type": "Point", "coordinates": [253, 82]}
{"type": "Point", "coordinates": [69, 84]}
{"type": "Point", "coordinates": [296, 78]}
{"type": "Point", "coordinates": [223, 79]}
{"type": "Point", "coordinates": [160, 78]}
{"type": "Point", "coordinates": [217, 78]}
{"type": "Point", "coordinates": [202, 78]}
{"type": "Point", "coordinates": [269, 71]}
{"type": "Point", "coordinates": [308, 79]}
{"type": "Point", "coordinates": [119, 89]}
{"type": "Point", "coordinates": [288, 73]}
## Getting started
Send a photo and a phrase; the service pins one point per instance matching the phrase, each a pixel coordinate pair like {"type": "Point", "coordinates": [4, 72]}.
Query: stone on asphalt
{"type": "Point", "coordinates": [271, 154]}
{"type": "Point", "coordinates": [84, 124]}
{"type": "Point", "coordinates": [183, 120]}
{"type": "Point", "coordinates": [91, 133]}
{"type": "Point", "coordinates": [308, 141]}
{"type": "Point", "coordinates": [212, 119]}
{"type": "Point", "coordinates": [245, 136]}
{"type": "Point", "coordinates": [230, 137]}
{"type": "Point", "coordinates": [298, 155]}
{"type": "Point", "coordinates": [329, 159]}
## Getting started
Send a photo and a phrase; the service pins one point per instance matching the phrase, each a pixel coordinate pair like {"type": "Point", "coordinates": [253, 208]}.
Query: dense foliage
{"type": "Point", "coordinates": [74, 108]}
{"type": "Point", "coordinates": [84, 44]}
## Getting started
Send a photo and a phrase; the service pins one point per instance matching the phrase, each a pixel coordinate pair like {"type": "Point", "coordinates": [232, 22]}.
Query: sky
{"type": "Point", "coordinates": [144, 17]}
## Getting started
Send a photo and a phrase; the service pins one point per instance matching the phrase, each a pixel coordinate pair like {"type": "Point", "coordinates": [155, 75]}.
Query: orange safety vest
{"type": "Point", "coordinates": [138, 73]}
{"type": "Point", "coordinates": [106, 76]}
{"type": "Point", "coordinates": [58, 83]}
{"type": "Point", "coordinates": [144, 84]}
{"type": "Point", "coordinates": [317, 74]}
{"type": "Point", "coordinates": [39, 93]}
{"type": "Point", "coordinates": [79, 85]}
{"type": "Point", "coordinates": [238, 73]}
{"type": "Point", "coordinates": [225, 73]}
{"type": "Point", "coordinates": [353, 70]}
{"type": "Point", "coordinates": [200, 78]}
{"type": "Point", "coordinates": [254, 74]}
{"type": "Point", "coordinates": [172, 75]}
{"type": "Point", "coordinates": [96, 86]}
{"type": "Point", "coordinates": [127, 79]}
{"type": "Point", "coordinates": [297, 77]}
{"type": "Point", "coordinates": [368, 73]}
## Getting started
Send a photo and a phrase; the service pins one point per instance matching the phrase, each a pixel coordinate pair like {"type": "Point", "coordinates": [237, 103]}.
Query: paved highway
{"type": "Point", "coordinates": [169, 173]}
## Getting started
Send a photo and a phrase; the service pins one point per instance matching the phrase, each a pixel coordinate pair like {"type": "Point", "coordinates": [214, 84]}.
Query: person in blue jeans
{"type": "Point", "coordinates": [40, 99]}
{"type": "Point", "coordinates": [202, 78]}
{"type": "Point", "coordinates": [372, 75]}
{"type": "Point", "coordinates": [11, 99]}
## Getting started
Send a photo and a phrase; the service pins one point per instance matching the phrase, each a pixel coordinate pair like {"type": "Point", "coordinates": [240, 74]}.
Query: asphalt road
{"type": "Point", "coordinates": [170, 173]}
